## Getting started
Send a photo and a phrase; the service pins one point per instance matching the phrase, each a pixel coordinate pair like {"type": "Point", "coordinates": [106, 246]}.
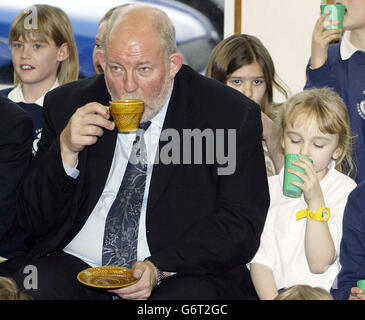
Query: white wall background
{"type": "Point", "coordinates": [285, 28]}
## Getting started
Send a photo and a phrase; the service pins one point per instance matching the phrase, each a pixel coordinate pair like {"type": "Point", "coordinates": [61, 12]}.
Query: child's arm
{"type": "Point", "coordinates": [319, 247]}
{"type": "Point", "coordinates": [263, 280]}
{"type": "Point", "coordinates": [321, 39]}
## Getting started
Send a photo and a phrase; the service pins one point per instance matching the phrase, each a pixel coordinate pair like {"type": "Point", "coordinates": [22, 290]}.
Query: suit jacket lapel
{"type": "Point", "coordinates": [176, 118]}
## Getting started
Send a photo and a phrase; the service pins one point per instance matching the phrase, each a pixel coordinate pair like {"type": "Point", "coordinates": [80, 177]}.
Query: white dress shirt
{"type": "Point", "coordinates": [88, 243]}
{"type": "Point", "coordinates": [282, 246]}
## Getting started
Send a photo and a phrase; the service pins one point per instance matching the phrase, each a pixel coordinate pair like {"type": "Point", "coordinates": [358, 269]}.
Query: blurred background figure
{"type": "Point", "coordinates": [99, 38]}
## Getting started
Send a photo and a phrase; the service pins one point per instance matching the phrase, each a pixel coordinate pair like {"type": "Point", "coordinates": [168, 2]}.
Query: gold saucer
{"type": "Point", "coordinates": [107, 277]}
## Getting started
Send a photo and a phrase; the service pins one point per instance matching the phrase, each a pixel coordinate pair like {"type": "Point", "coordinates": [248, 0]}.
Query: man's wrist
{"type": "Point", "coordinates": [159, 275]}
{"type": "Point", "coordinates": [68, 156]}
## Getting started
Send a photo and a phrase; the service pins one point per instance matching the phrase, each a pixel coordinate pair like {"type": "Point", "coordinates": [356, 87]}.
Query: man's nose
{"type": "Point", "coordinates": [130, 84]}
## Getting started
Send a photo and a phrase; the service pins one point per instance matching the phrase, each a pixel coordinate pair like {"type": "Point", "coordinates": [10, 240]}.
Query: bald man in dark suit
{"type": "Point", "coordinates": [199, 222]}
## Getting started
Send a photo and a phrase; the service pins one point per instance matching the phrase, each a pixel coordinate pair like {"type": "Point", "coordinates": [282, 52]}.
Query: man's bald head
{"type": "Point", "coordinates": [144, 19]}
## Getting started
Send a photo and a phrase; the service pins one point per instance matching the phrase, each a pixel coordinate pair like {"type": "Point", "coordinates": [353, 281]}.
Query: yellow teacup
{"type": "Point", "coordinates": [127, 114]}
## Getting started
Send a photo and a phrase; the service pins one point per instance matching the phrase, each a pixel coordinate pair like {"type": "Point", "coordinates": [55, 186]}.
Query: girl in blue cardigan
{"type": "Point", "coordinates": [341, 66]}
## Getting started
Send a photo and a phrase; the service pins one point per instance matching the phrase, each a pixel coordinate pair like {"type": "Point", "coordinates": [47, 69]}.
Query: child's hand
{"type": "Point", "coordinates": [321, 39]}
{"type": "Point", "coordinates": [312, 190]}
{"type": "Point", "coordinates": [356, 294]}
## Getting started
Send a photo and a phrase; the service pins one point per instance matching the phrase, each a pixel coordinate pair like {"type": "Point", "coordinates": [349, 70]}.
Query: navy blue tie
{"type": "Point", "coordinates": [121, 226]}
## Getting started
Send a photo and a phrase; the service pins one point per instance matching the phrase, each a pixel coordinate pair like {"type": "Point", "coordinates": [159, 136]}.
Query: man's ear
{"type": "Point", "coordinates": [63, 52]}
{"type": "Point", "coordinates": [101, 58]}
{"type": "Point", "coordinates": [175, 63]}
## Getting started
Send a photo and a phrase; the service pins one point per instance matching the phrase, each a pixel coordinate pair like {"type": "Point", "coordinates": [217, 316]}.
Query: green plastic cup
{"type": "Point", "coordinates": [361, 284]}
{"type": "Point", "coordinates": [337, 13]}
{"type": "Point", "coordinates": [289, 189]}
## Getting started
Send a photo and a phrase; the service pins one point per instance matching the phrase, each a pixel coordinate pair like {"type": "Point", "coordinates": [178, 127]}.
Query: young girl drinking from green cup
{"type": "Point", "coordinates": [301, 237]}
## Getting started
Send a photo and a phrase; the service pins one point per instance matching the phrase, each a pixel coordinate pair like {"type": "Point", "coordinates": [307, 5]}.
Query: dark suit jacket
{"type": "Point", "coordinates": [197, 222]}
{"type": "Point", "coordinates": [16, 137]}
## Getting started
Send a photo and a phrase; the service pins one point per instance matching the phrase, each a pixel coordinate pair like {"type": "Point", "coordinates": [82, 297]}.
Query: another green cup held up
{"type": "Point", "coordinates": [289, 189]}
{"type": "Point", "coordinates": [337, 12]}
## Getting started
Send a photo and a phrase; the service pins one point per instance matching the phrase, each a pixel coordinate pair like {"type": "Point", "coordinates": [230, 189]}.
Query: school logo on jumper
{"type": "Point", "coordinates": [38, 134]}
{"type": "Point", "coordinates": [361, 109]}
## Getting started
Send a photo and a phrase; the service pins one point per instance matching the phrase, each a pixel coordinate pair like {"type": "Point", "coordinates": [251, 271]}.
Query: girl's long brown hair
{"type": "Point", "coordinates": [240, 50]}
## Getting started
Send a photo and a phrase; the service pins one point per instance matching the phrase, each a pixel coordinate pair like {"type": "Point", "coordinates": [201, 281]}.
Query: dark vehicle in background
{"type": "Point", "coordinates": [196, 35]}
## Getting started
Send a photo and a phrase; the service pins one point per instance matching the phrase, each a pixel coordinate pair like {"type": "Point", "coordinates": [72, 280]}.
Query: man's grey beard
{"type": "Point", "coordinates": [151, 108]}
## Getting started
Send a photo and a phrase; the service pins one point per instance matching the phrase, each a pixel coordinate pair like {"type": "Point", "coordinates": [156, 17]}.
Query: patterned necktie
{"type": "Point", "coordinates": [121, 226]}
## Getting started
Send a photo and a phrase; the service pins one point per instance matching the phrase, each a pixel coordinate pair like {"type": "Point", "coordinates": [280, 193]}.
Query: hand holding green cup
{"type": "Point", "coordinates": [289, 189]}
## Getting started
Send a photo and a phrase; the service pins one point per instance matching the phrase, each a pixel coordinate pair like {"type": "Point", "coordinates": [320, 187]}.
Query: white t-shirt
{"type": "Point", "coordinates": [282, 241]}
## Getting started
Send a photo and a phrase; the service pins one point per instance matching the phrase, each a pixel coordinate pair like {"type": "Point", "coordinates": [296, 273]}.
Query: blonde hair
{"type": "Point", "coordinates": [304, 292]}
{"type": "Point", "coordinates": [331, 114]}
{"type": "Point", "coordinates": [9, 290]}
{"type": "Point", "coordinates": [241, 50]}
{"type": "Point", "coordinates": [53, 23]}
